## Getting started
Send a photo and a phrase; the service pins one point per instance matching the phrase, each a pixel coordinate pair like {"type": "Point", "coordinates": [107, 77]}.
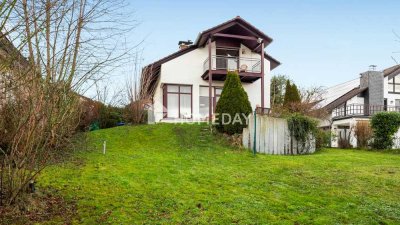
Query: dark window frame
{"type": "Point", "coordinates": [214, 97]}
{"type": "Point", "coordinates": [392, 85]}
{"type": "Point", "coordinates": [221, 59]}
{"type": "Point", "coordinates": [179, 93]}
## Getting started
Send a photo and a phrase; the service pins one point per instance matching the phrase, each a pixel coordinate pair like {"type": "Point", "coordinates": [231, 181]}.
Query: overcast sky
{"type": "Point", "coordinates": [319, 43]}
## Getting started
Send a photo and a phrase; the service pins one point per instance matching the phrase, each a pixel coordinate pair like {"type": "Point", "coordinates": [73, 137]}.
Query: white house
{"type": "Point", "coordinates": [359, 99]}
{"type": "Point", "coordinates": [187, 84]}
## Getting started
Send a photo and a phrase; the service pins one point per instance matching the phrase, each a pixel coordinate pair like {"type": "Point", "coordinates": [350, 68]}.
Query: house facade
{"type": "Point", "coordinates": [186, 85]}
{"type": "Point", "coordinates": [11, 62]}
{"type": "Point", "coordinates": [358, 100]}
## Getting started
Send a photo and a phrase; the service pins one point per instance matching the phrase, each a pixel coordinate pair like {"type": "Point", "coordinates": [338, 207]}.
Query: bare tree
{"type": "Point", "coordinates": [140, 88]}
{"type": "Point", "coordinates": [312, 94]}
{"type": "Point", "coordinates": [67, 44]}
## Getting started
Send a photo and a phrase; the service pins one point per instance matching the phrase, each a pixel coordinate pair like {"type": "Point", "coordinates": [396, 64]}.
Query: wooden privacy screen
{"type": "Point", "coordinates": [273, 137]}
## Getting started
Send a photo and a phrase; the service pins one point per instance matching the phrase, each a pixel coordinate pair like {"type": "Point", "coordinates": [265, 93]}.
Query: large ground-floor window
{"type": "Point", "coordinates": [204, 99]}
{"type": "Point", "coordinates": [177, 101]}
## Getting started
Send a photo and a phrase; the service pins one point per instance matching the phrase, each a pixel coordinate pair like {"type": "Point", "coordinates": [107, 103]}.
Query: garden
{"type": "Point", "coordinates": [165, 174]}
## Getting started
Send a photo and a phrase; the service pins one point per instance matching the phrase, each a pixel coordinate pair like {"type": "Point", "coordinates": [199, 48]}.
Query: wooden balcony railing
{"type": "Point", "coordinates": [362, 110]}
{"type": "Point", "coordinates": [250, 65]}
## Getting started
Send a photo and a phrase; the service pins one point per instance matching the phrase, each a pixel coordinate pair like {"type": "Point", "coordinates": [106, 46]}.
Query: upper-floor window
{"type": "Point", "coordinates": [227, 58]}
{"type": "Point", "coordinates": [394, 85]}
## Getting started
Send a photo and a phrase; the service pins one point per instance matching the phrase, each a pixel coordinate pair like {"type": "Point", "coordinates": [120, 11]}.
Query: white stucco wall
{"type": "Point", "coordinates": [351, 122]}
{"type": "Point", "coordinates": [356, 100]}
{"type": "Point", "coordinates": [391, 98]}
{"type": "Point", "coordinates": [188, 69]}
{"type": "Point", "coordinates": [336, 131]}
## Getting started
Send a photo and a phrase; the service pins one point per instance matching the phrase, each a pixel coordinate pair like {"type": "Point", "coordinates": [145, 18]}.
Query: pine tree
{"type": "Point", "coordinates": [233, 106]}
{"type": "Point", "coordinates": [295, 94]}
{"type": "Point", "coordinates": [288, 91]}
{"type": "Point", "coordinates": [292, 94]}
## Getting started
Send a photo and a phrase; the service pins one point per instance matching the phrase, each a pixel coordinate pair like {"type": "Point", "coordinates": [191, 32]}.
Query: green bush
{"type": "Point", "coordinates": [233, 106]}
{"type": "Point", "coordinates": [109, 116]}
{"type": "Point", "coordinates": [384, 126]}
{"type": "Point", "coordinates": [301, 127]}
{"type": "Point", "coordinates": [322, 139]}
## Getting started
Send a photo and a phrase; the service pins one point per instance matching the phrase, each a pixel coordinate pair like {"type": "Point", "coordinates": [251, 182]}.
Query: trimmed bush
{"type": "Point", "coordinates": [233, 106]}
{"type": "Point", "coordinates": [384, 126]}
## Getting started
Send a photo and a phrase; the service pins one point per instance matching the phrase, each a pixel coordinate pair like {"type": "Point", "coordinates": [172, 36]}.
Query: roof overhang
{"type": "Point", "coordinates": [391, 71]}
{"type": "Point", "coordinates": [344, 98]}
{"type": "Point", "coordinates": [236, 26]}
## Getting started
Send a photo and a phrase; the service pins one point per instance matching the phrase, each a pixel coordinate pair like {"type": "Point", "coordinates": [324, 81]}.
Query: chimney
{"type": "Point", "coordinates": [184, 44]}
{"type": "Point", "coordinates": [373, 80]}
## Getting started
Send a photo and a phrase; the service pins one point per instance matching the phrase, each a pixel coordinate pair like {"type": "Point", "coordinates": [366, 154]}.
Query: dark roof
{"type": "Point", "coordinates": [344, 98]}
{"type": "Point", "coordinates": [172, 56]}
{"type": "Point", "coordinates": [235, 22]}
{"type": "Point", "coordinates": [391, 71]}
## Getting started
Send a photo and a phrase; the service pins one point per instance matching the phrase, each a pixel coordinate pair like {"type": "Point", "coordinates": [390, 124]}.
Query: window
{"type": "Point", "coordinates": [177, 101]}
{"type": "Point", "coordinates": [394, 85]}
{"type": "Point", "coordinates": [227, 58]}
{"type": "Point", "coordinates": [204, 102]}
{"type": "Point", "coordinates": [204, 99]}
{"type": "Point", "coordinates": [217, 94]}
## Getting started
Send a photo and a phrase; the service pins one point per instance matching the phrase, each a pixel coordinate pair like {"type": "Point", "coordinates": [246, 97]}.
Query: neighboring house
{"type": "Point", "coordinates": [359, 99]}
{"type": "Point", "coordinates": [12, 63]}
{"type": "Point", "coordinates": [187, 84]}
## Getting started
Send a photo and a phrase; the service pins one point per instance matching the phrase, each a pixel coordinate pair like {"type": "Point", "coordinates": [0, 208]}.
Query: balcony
{"type": "Point", "coordinates": [249, 68]}
{"type": "Point", "coordinates": [362, 110]}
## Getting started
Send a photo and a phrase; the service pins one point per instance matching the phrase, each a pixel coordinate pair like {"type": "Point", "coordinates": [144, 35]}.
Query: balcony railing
{"type": "Point", "coordinates": [362, 110]}
{"type": "Point", "coordinates": [240, 64]}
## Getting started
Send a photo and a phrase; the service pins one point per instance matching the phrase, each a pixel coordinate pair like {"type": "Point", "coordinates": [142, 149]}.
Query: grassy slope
{"type": "Point", "coordinates": [162, 174]}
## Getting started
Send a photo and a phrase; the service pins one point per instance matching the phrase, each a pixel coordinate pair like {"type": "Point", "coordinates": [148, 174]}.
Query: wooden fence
{"type": "Point", "coordinates": [272, 136]}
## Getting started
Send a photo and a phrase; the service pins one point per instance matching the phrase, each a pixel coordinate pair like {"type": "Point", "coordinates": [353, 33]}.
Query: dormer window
{"type": "Point", "coordinates": [394, 85]}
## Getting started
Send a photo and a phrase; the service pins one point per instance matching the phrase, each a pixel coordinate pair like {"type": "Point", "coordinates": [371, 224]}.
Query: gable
{"type": "Point", "coordinates": [344, 98]}
{"type": "Point", "coordinates": [236, 26]}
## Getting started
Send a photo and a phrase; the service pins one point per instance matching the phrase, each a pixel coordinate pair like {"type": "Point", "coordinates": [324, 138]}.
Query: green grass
{"type": "Point", "coordinates": [163, 174]}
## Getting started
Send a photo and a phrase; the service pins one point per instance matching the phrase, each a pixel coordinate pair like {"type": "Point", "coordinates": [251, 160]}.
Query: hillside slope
{"type": "Point", "coordinates": [166, 174]}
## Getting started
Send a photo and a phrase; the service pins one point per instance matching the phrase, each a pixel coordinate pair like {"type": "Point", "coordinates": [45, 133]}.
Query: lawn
{"type": "Point", "coordinates": [166, 174]}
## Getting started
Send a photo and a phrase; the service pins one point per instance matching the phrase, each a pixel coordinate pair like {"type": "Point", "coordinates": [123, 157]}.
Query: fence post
{"type": "Point", "coordinates": [255, 130]}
